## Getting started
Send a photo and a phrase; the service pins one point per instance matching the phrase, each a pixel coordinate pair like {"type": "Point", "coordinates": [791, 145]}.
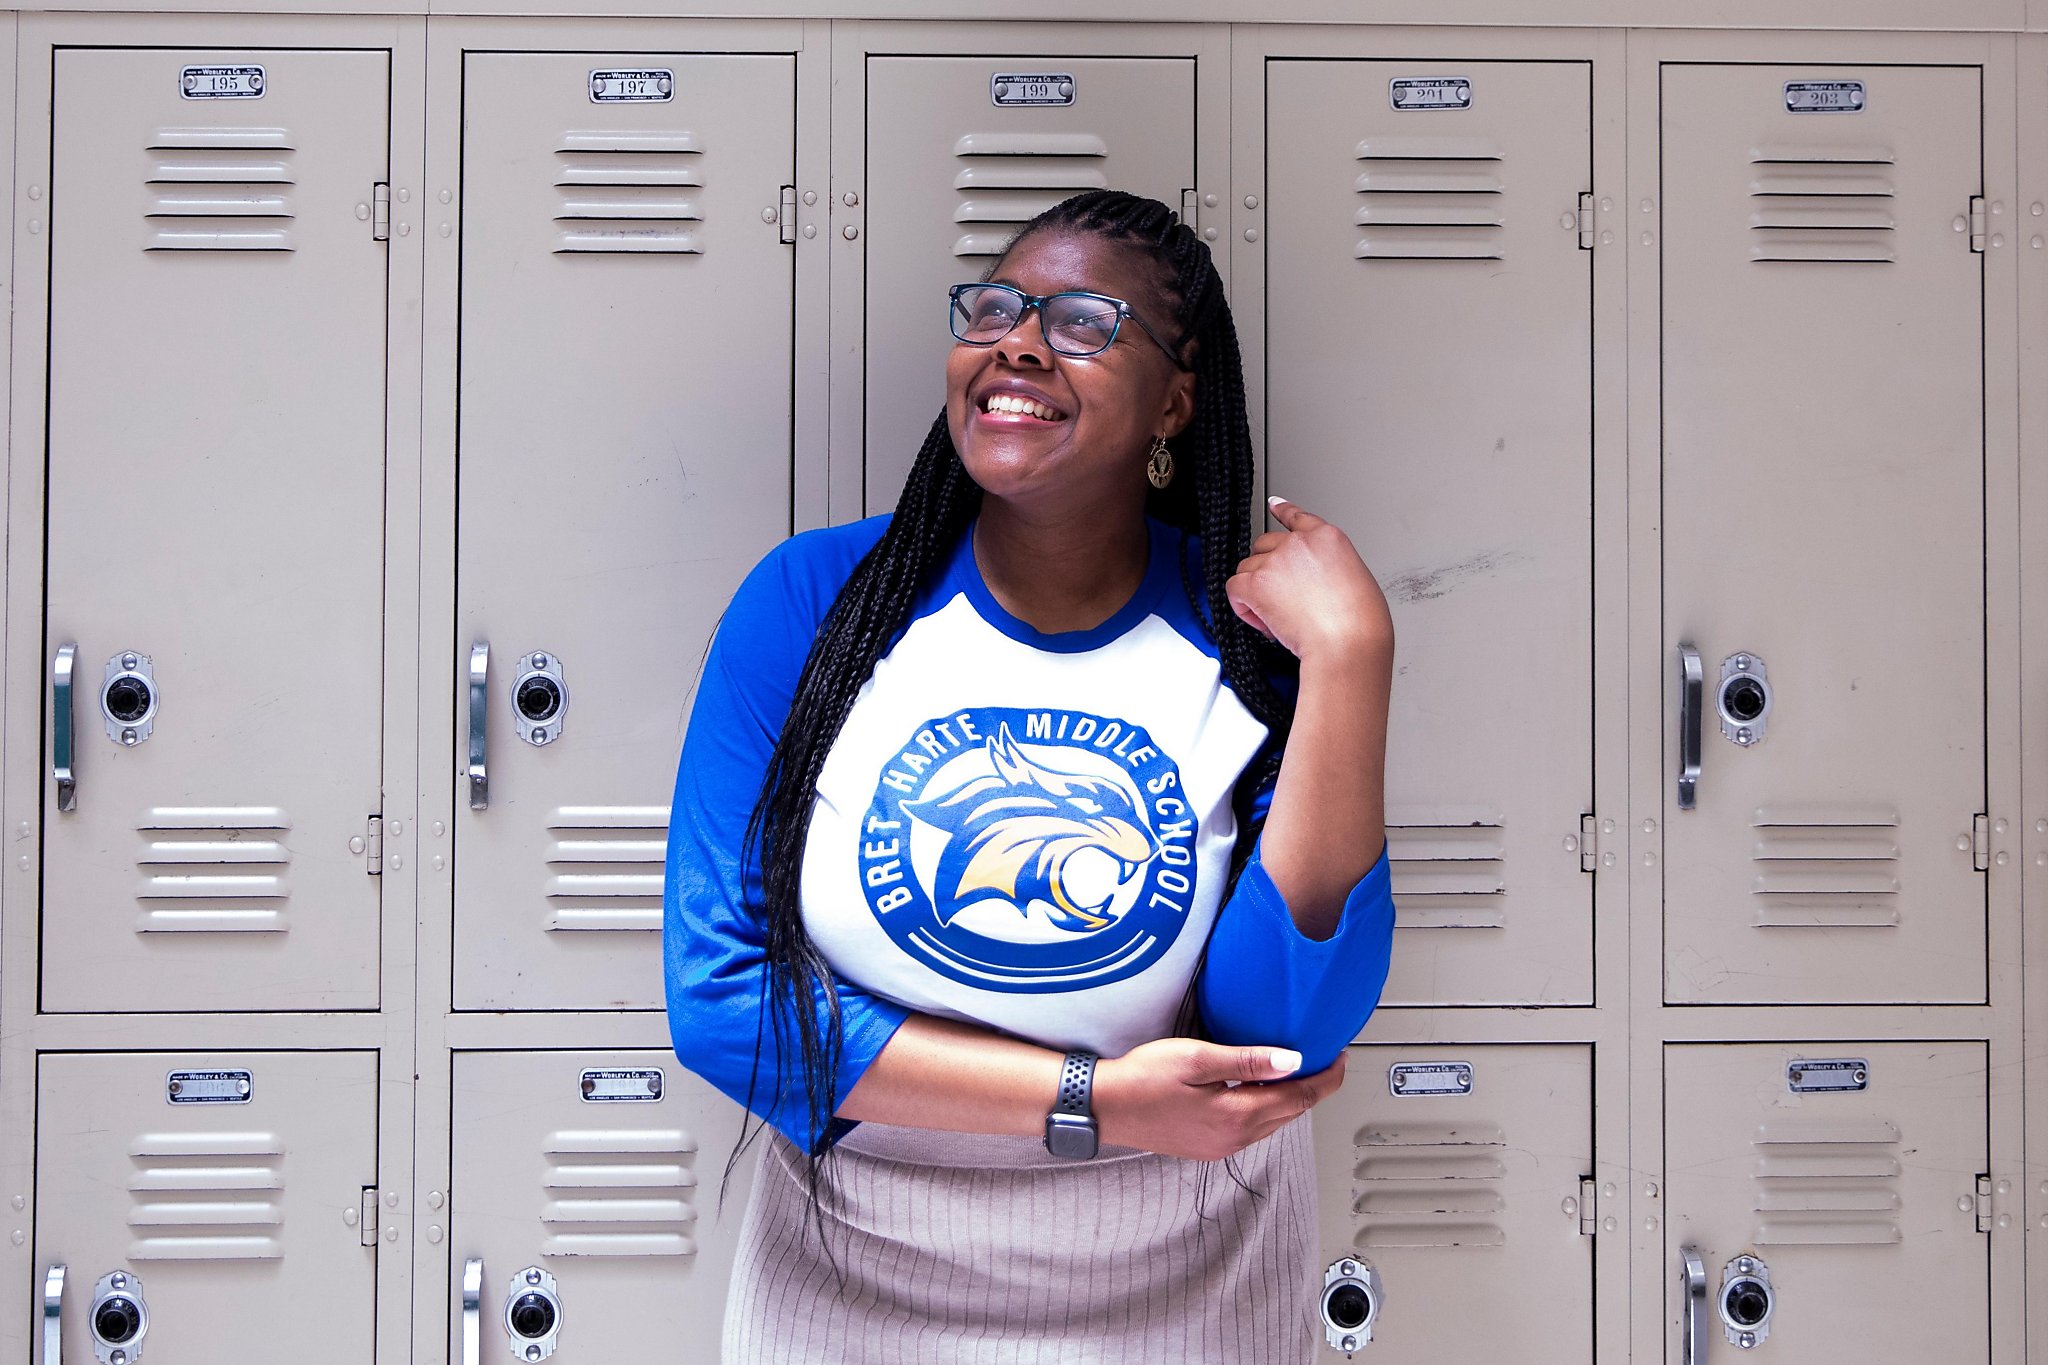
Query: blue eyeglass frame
{"type": "Point", "coordinates": [1026, 302]}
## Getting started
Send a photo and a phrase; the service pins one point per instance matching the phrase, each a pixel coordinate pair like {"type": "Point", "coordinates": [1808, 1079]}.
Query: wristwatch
{"type": "Point", "coordinates": [1070, 1127]}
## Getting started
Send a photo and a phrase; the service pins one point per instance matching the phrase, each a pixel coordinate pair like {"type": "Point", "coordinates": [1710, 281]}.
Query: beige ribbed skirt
{"type": "Point", "coordinates": [980, 1249]}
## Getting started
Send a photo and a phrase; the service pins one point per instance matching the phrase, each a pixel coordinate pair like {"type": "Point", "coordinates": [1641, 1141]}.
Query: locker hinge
{"type": "Point", "coordinates": [1586, 237]}
{"type": "Point", "coordinates": [1980, 842]}
{"type": "Point", "coordinates": [368, 1223]}
{"type": "Point", "coordinates": [788, 219]}
{"type": "Point", "coordinates": [1976, 222]}
{"type": "Point", "coordinates": [1588, 837]}
{"type": "Point", "coordinates": [373, 846]}
{"type": "Point", "coordinates": [1983, 1203]}
{"type": "Point", "coordinates": [380, 221]}
{"type": "Point", "coordinates": [1187, 209]}
{"type": "Point", "coordinates": [1589, 1221]}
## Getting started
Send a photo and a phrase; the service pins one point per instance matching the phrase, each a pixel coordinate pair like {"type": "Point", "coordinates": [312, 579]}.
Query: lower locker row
{"type": "Point", "coordinates": [197, 1206]}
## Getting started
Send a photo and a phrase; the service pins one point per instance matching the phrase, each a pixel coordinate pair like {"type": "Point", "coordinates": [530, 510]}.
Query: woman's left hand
{"type": "Point", "coordinates": [1305, 588]}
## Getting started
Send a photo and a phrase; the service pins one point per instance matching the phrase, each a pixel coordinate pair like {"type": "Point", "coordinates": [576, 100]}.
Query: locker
{"type": "Point", "coordinates": [207, 1207]}
{"type": "Point", "coordinates": [1823, 535]}
{"type": "Point", "coordinates": [1450, 1187]}
{"type": "Point", "coordinates": [214, 644]}
{"type": "Point", "coordinates": [585, 1215]}
{"type": "Point", "coordinates": [1824, 1202]}
{"type": "Point", "coordinates": [623, 453]}
{"type": "Point", "coordinates": [958, 159]}
{"type": "Point", "coordinates": [1429, 388]}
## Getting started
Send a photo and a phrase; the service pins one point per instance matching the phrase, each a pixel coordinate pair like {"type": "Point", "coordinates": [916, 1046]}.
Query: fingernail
{"type": "Point", "coordinates": [1273, 499]}
{"type": "Point", "coordinates": [1286, 1060]}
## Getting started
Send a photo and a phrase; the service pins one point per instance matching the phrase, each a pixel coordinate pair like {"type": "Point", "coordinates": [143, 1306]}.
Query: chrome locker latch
{"type": "Point", "coordinates": [1691, 694]}
{"type": "Point", "coordinates": [53, 1316]}
{"type": "Point", "coordinates": [61, 671]}
{"type": "Point", "coordinates": [1586, 221]}
{"type": "Point", "coordinates": [787, 215]}
{"type": "Point", "coordinates": [1692, 1284]}
{"type": "Point", "coordinates": [479, 721]}
{"type": "Point", "coordinates": [472, 1310]}
{"type": "Point", "coordinates": [380, 221]}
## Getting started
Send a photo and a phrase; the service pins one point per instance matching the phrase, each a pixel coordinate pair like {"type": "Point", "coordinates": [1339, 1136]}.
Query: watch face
{"type": "Point", "coordinates": [1070, 1135]}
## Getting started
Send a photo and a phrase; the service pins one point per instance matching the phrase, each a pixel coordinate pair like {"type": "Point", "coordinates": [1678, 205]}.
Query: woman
{"type": "Point", "coordinates": [985, 804]}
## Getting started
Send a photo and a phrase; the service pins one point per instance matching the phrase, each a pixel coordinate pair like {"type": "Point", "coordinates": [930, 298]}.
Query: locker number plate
{"type": "Point", "coordinates": [222, 82]}
{"type": "Point", "coordinates": [1006, 88]}
{"type": "Point", "coordinates": [209, 1087]}
{"type": "Point", "coordinates": [1429, 1078]}
{"type": "Point", "coordinates": [1435, 92]}
{"type": "Point", "coordinates": [632, 87]}
{"type": "Point", "coordinates": [1824, 97]}
{"type": "Point", "coordinates": [621, 1087]}
{"type": "Point", "coordinates": [1810, 1076]}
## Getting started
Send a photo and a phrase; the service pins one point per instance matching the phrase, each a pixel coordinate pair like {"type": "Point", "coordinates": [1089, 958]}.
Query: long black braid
{"type": "Point", "coordinates": [1210, 498]}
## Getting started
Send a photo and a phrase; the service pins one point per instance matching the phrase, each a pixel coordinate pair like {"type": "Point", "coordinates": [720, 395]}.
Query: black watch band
{"type": "Point", "coordinates": [1070, 1127]}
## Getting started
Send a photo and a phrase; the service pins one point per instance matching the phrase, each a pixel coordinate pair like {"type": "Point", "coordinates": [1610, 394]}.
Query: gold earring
{"type": "Point", "coordinates": [1159, 469]}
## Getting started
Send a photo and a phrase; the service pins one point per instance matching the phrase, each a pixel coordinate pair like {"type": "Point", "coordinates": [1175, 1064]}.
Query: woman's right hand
{"type": "Point", "coordinates": [1175, 1097]}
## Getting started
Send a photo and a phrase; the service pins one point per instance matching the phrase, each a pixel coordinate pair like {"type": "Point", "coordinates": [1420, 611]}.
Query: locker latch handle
{"type": "Point", "coordinates": [53, 1314]}
{"type": "Point", "coordinates": [479, 718]}
{"type": "Point", "coordinates": [1692, 1279]}
{"type": "Point", "coordinates": [60, 718]}
{"type": "Point", "coordinates": [472, 1310]}
{"type": "Point", "coordinates": [1691, 697]}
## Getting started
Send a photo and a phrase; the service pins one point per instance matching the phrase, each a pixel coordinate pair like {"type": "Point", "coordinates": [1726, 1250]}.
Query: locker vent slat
{"type": "Point", "coordinates": [1827, 1182]}
{"type": "Point", "coordinates": [605, 866]}
{"type": "Point", "coordinates": [201, 865]}
{"type": "Point", "coordinates": [1430, 1185]}
{"type": "Point", "coordinates": [1007, 179]}
{"type": "Point", "coordinates": [219, 189]}
{"type": "Point", "coordinates": [1825, 866]}
{"type": "Point", "coordinates": [1450, 873]}
{"type": "Point", "coordinates": [1822, 204]}
{"type": "Point", "coordinates": [206, 1196]}
{"type": "Point", "coordinates": [620, 193]}
{"type": "Point", "coordinates": [619, 1192]}
{"type": "Point", "coordinates": [1430, 199]}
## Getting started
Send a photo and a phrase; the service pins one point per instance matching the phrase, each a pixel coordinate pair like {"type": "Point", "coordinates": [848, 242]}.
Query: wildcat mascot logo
{"type": "Point", "coordinates": [1030, 850]}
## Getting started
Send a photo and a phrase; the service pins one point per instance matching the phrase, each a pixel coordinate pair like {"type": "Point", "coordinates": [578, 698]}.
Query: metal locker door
{"type": "Point", "coordinates": [1824, 538]}
{"type": "Point", "coordinates": [216, 529]}
{"type": "Point", "coordinates": [227, 1192]}
{"type": "Point", "coordinates": [585, 1209]}
{"type": "Point", "coordinates": [1824, 1202]}
{"type": "Point", "coordinates": [963, 151]}
{"type": "Point", "coordinates": [624, 458]}
{"type": "Point", "coordinates": [1451, 1220]}
{"type": "Point", "coordinates": [1429, 375]}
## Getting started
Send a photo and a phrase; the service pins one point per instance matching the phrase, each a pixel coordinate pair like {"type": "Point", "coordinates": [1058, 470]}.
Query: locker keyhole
{"type": "Point", "coordinates": [533, 1315]}
{"type": "Point", "coordinates": [1748, 1304]}
{"type": "Point", "coordinates": [127, 699]}
{"type": "Point", "coordinates": [1744, 699]}
{"type": "Point", "coordinates": [1349, 1306]}
{"type": "Point", "coordinates": [538, 699]}
{"type": "Point", "coordinates": [117, 1321]}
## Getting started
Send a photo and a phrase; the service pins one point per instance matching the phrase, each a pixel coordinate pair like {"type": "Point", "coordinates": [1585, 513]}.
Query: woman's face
{"type": "Point", "coordinates": [1104, 410]}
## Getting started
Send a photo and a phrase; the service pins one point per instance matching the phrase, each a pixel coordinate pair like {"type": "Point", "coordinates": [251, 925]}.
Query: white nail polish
{"type": "Point", "coordinates": [1287, 1060]}
{"type": "Point", "coordinates": [1273, 499]}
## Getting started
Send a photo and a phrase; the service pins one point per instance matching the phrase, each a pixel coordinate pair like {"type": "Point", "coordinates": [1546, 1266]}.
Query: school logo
{"type": "Point", "coordinates": [1026, 850]}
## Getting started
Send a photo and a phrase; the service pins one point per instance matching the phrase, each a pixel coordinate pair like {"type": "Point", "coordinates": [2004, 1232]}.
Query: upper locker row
{"type": "Point", "coordinates": [216, 343]}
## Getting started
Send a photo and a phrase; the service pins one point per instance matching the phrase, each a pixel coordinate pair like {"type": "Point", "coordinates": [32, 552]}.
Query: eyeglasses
{"type": "Point", "coordinates": [1075, 323]}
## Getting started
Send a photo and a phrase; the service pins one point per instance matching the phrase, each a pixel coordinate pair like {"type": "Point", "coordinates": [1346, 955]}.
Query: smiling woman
{"type": "Point", "coordinates": [1065, 875]}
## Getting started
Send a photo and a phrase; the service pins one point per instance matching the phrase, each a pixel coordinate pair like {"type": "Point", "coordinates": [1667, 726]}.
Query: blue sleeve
{"type": "Point", "coordinates": [1264, 981]}
{"type": "Point", "coordinates": [712, 944]}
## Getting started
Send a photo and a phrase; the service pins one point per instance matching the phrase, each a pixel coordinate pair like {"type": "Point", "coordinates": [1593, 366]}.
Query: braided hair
{"type": "Point", "coordinates": [939, 501]}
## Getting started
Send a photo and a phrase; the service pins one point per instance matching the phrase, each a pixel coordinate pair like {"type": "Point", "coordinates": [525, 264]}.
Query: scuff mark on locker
{"type": "Point", "coordinates": [1426, 585]}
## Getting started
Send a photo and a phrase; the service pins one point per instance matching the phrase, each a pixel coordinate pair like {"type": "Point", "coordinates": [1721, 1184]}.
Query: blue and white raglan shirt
{"type": "Point", "coordinates": [1030, 832]}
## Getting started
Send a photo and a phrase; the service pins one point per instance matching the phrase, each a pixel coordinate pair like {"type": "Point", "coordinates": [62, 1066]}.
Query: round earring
{"type": "Point", "coordinates": [1159, 469]}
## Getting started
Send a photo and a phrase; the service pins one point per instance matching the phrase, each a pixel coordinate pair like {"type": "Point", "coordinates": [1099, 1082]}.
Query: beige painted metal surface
{"type": "Point", "coordinates": [624, 459]}
{"type": "Point", "coordinates": [215, 513]}
{"type": "Point", "coordinates": [1428, 369]}
{"type": "Point", "coordinates": [1455, 1173]}
{"type": "Point", "coordinates": [603, 1169]}
{"type": "Point", "coordinates": [1862, 1205]}
{"type": "Point", "coordinates": [1823, 412]}
{"type": "Point", "coordinates": [242, 1218]}
{"type": "Point", "coordinates": [952, 175]}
